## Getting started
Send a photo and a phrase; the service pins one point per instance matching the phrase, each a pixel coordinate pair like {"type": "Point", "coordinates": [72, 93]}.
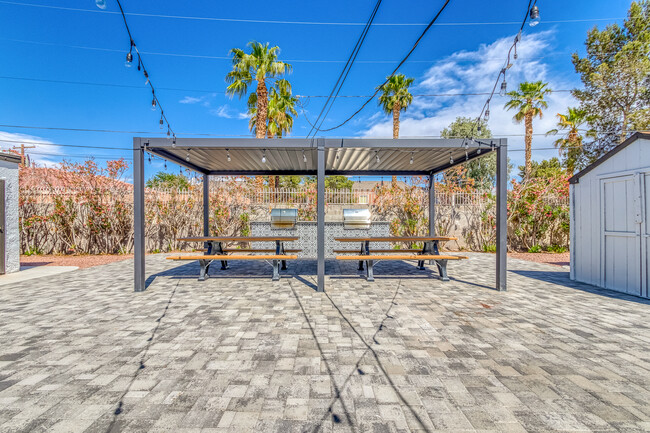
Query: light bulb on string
{"type": "Point", "coordinates": [466, 156]}
{"type": "Point", "coordinates": [504, 87]}
{"type": "Point", "coordinates": [165, 165]}
{"type": "Point", "coordinates": [149, 157]}
{"type": "Point", "coordinates": [486, 117]}
{"type": "Point", "coordinates": [304, 157]}
{"type": "Point", "coordinates": [161, 122]}
{"type": "Point", "coordinates": [174, 140]}
{"type": "Point", "coordinates": [264, 156]}
{"type": "Point", "coordinates": [534, 16]}
{"type": "Point", "coordinates": [228, 155]}
{"type": "Point", "coordinates": [377, 157]}
{"type": "Point", "coordinates": [337, 155]}
{"type": "Point", "coordinates": [153, 103]}
{"type": "Point", "coordinates": [466, 144]}
{"type": "Point", "coordinates": [411, 161]}
{"type": "Point", "coordinates": [146, 75]}
{"type": "Point", "coordinates": [451, 158]}
{"type": "Point", "coordinates": [187, 158]}
{"type": "Point", "coordinates": [169, 133]}
{"type": "Point", "coordinates": [129, 60]}
{"type": "Point", "coordinates": [478, 129]}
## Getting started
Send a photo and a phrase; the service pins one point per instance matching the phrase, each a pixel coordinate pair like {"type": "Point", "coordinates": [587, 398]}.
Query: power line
{"type": "Point", "coordinates": [320, 23]}
{"type": "Point", "coordinates": [203, 56]}
{"type": "Point", "coordinates": [344, 73]}
{"type": "Point", "coordinates": [129, 86]}
{"type": "Point", "coordinates": [435, 18]}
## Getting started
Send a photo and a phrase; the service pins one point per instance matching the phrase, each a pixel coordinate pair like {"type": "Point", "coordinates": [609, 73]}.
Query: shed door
{"type": "Point", "coordinates": [621, 247]}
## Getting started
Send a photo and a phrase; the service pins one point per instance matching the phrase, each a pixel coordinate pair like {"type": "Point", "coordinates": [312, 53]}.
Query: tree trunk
{"type": "Point", "coordinates": [529, 143]}
{"type": "Point", "coordinates": [262, 109]}
{"type": "Point", "coordinates": [396, 109]}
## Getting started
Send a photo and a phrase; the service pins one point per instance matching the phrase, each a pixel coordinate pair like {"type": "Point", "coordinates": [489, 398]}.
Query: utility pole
{"type": "Point", "coordinates": [22, 153]}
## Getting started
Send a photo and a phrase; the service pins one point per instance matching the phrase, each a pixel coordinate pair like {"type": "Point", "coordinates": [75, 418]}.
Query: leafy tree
{"type": "Point", "coordinates": [546, 169]}
{"type": "Point", "coordinates": [529, 102]}
{"type": "Point", "coordinates": [616, 76]}
{"type": "Point", "coordinates": [290, 181]}
{"type": "Point", "coordinates": [482, 170]}
{"type": "Point", "coordinates": [396, 98]}
{"type": "Point", "coordinates": [333, 182]}
{"type": "Point", "coordinates": [168, 180]}
{"type": "Point", "coordinates": [570, 144]}
{"type": "Point", "coordinates": [259, 65]}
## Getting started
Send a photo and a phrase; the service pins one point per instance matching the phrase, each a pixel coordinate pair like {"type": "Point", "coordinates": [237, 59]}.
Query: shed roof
{"type": "Point", "coordinates": [291, 156]}
{"type": "Point", "coordinates": [10, 157]}
{"type": "Point", "coordinates": [634, 137]}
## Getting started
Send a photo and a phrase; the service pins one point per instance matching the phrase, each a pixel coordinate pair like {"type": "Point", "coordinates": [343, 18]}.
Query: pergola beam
{"type": "Point", "coordinates": [502, 216]}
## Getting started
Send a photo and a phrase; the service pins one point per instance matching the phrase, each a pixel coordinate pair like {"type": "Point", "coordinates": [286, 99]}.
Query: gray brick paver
{"type": "Point", "coordinates": [236, 353]}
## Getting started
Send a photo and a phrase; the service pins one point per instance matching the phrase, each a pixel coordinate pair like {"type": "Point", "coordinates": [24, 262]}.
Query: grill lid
{"type": "Point", "coordinates": [356, 218]}
{"type": "Point", "coordinates": [284, 218]}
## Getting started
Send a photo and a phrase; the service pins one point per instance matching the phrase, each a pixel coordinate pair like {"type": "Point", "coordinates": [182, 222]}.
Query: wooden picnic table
{"type": "Point", "coordinates": [214, 244]}
{"type": "Point", "coordinates": [430, 245]}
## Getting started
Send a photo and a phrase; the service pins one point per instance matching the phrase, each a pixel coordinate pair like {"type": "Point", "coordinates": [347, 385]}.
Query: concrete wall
{"type": "Point", "coordinates": [9, 173]}
{"type": "Point", "coordinates": [588, 262]}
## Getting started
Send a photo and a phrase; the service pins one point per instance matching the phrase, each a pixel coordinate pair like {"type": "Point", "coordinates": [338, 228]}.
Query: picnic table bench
{"type": "Point", "coordinates": [215, 251]}
{"type": "Point", "coordinates": [430, 251]}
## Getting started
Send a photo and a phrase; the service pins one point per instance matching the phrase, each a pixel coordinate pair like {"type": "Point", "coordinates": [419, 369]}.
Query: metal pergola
{"type": "Point", "coordinates": [319, 157]}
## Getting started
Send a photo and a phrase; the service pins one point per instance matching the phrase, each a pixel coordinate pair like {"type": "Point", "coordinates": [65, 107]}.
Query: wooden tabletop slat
{"type": "Point", "coordinates": [239, 239]}
{"type": "Point", "coordinates": [402, 257]}
{"type": "Point", "coordinates": [397, 239]}
{"type": "Point", "coordinates": [229, 257]}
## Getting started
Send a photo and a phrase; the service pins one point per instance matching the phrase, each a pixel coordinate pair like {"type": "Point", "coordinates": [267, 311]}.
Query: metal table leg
{"type": "Point", "coordinates": [219, 248]}
{"type": "Point", "coordinates": [279, 249]}
{"type": "Point", "coordinates": [361, 252]}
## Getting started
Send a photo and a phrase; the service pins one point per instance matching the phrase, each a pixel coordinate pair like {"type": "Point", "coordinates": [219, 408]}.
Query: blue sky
{"type": "Point", "coordinates": [187, 61]}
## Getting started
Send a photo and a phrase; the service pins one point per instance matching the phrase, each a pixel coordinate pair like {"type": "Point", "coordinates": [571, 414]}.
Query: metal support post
{"type": "Point", "coordinates": [432, 206]}
{"type": "Point", "coordinates": [206, 205]}
{"type": "Point", "coordinates": [502, 214]}
{"type": "Point", "coordinates": [320, 212]}
{"type": "Point", "coordinates": [138, 216]}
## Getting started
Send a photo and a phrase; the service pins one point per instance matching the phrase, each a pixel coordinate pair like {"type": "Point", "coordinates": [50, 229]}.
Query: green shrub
{"type": "Point", "coordinates": [535, 249]}
{"type": "Point", "coordinates": [556, 249]}
{"type": "Point", "coordinates": [489, 248]}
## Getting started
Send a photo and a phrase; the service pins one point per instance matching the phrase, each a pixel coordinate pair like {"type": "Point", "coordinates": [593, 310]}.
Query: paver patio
{"type": "Point", "coordinates": [82, 352]}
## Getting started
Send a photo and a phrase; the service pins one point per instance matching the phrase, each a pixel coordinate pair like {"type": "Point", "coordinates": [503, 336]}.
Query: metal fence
{"type": "Point", "coordinates": [284, 196]}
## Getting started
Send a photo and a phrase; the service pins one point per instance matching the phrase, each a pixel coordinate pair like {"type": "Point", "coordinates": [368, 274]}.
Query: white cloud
{"type": "Point", "coordinates": [227, 112]}
{"type": "Point", "coordinates": [475, 72]}
{"type": "Point", "coordinates": [190, 100]}
{"type": "Point", "coordinates": [44, 154]}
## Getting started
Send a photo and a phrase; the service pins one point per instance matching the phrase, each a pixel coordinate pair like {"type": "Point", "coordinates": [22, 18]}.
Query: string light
{"type": "Point", "coordinates": [486, 117]}
{"type": "Point", "coordinates": [129, 57]}
{"type": "Point", "coordinates": [504, 87]}
{"type": "Point", "coordinates": [377, 157]}
{"type": "Point", "coordinates": [264, 156]}
{"type": "Point", "coordinates": [411, 161]}
{"type": "Point", "coordinates": [228, 155]}
{"type": "Point", "coordinates": [466, 156]}
{"type": "Point", "coordinates": [155, 104]}
{"type": "Point", "coordinates": [337, 155]}
{"type": "Point", "coordinates": [165, 164]}
{"type": "Point", "coordinates": [451, 159]}
{"type": "Point", "coordinates": [304, 157]}
{"type": "Point", "coordinates": [161, 122]}
{"type": "Point", "coordinates": [534, 16]}
{"type": "Point", "coordinates": [187, 158]}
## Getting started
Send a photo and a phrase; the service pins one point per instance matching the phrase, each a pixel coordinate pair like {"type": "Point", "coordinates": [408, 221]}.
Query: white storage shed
{"type": "Point", "coordinates": [610, 219]}
{"type": "Point", "coordinates": [9, 228]}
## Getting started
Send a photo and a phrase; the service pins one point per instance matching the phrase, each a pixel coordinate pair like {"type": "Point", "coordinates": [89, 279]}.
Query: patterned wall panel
{"type": "Point", "coordinates": [306, 232]}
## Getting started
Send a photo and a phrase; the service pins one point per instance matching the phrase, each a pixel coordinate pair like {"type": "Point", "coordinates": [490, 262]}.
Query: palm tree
{"type": "Point", "coordinates": [281, 109]}
{"type": "Point", "coordinates": [529, 101]}
{"type": "Point", "coordinates": [260, 65]}
{"type": "Point", "coordinates": [570, 145]}
{"type": "Point", "coordinates": [396, 98]}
